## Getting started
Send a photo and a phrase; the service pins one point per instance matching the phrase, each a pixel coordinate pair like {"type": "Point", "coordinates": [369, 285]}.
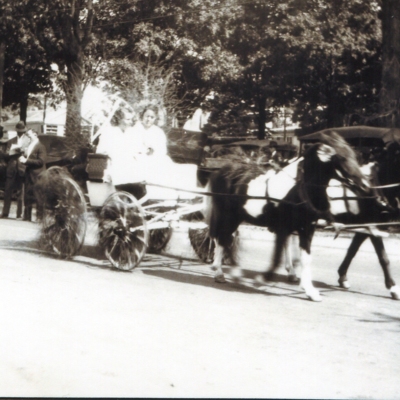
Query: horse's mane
{"type": "Point", "coordinates": [342, 148]}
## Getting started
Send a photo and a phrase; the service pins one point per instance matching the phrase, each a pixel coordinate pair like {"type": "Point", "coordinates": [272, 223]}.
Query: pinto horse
{"type": "Point", "coordinates": [290, 201]}
{"type": "Point", "coordinates": [387, 174]}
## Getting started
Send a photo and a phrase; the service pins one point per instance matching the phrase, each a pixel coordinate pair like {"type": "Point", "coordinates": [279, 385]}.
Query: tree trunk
{"type": "Point", "coordinates": [2, 53]}
{"type": "Point", "coordinates": [74, 93]}
{"type": "Point", "coordinates": [262, 117]}
{"type": "Point", "coordinates": [390, 92]}
{"type": "Point", "coordinates": [23, 108]}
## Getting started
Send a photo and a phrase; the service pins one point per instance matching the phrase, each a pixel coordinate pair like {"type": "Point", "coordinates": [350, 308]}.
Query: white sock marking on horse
{"type": "Point", "coordinates": [236, 272]}
{"type": "Point", "coordinates": [217, 264]}
{"type": "Point", "coordinates": [344, 283]}
{"type": "Point", "coordinates": [306, 278]}
{"type": "Point", "coordinates": [291, 251]}
{"type": "Point", "coordinates": [395, 292]}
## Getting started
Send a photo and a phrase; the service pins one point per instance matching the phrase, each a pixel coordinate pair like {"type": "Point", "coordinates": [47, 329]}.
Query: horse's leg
{"type": "Point", "coordinates": [280, 245]}
{"type": "Point", "coordinates": [217, 264]}
{"type": "Point", "coordinates": [385, 264]}
{"type": "Point", "coordinates": [355, 244]}
{"type": "Point", "coordinates": [306, 276]}
{"type": "Point", "coordinates": [289, 263]}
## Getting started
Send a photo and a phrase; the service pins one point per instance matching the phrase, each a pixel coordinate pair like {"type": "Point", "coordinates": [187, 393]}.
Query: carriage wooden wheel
{"type": "Point", "coordinates": [159, 239]}
{"type": "Point", "coordinates": [202, 244]}
{"type": "Point", "coordinates": [123, 231]}
{"type": "Point", "coordinates": [64, 219]}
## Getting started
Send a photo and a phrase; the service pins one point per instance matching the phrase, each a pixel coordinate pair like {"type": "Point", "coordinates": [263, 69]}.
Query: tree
{"type": "Point", "coordinates": [5, 26]}
{"type": "Point", "coordinates": [320, 56]}
{"type": "Point", "coordinates": [182, 40]}
{"type": "Point", "coordinates": [64, 29]}
{"type": "Point", "coordinates": [390, 92]}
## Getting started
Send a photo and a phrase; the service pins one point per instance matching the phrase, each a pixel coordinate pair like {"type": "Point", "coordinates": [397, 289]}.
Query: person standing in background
{"type": "Point", "coordinates": [34, 161]}
{"type": "Point", "coordinates": [14, 174]}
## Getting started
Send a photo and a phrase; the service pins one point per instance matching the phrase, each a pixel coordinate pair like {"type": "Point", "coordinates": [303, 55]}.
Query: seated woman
{"type": "Point", "coordinates": [139, 155]}
{"type": "Point", "coordinates": [117, 143]}
{"type": "Point", "coordinates": [153, 162]}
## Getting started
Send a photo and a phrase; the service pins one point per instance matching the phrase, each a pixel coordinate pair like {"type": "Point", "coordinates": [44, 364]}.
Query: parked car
{"type": "Point", "coordinates": [248, 152]}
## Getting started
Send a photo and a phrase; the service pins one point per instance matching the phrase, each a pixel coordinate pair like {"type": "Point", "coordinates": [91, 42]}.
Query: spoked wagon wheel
{"type": "Point", "coordinates": [123, 231]}
{"type": "Point", "coordinates": [64, 218]}
{"type": "Point", "coordinates": [202, 244]}
{"type": "Point", "coordinates": [159, 238]}
{"type": "Point", "coordinates": [204, 247]}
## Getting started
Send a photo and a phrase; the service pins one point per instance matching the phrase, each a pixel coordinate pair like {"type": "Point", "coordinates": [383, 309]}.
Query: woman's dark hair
{"type": "Point", "coordinates": [120, 114]}
{"type": "Point", "coordinates": [149, 107]}
{"type": "Point", "coordinates": [117, 117]}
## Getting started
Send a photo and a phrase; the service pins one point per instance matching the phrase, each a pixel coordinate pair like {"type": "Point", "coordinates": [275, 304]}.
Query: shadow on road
{"type": "Point", "coordinates": [382, 318]}
{"type": "Point", "coordinates": [187, 272]}
{"type": "Point", "coordinates": [188, 277]}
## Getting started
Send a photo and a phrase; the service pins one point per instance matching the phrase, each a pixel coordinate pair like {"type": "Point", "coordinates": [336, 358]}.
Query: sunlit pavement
{"type": "Point", "coordinates": [80, 328]}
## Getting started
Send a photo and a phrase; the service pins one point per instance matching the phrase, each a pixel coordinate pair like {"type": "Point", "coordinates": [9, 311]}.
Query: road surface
{"type": "Point", "coordinates": [78, 328]}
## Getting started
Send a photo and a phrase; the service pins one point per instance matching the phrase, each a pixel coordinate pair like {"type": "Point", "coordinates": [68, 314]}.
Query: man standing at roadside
{"type": "Point", "coordinates": [14, 174]}
{"type": "Point", "coordinates": [35, 162]}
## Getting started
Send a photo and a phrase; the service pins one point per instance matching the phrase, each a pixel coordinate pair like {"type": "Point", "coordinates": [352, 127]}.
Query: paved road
{"type": "Point", "coordinates": [79, 328]}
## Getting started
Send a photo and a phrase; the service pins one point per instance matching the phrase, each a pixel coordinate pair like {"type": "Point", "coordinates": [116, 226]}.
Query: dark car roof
{"type": "Point", "coordinates": [358, 134]}
{"type": "Point", "coordinates": [251, 143]}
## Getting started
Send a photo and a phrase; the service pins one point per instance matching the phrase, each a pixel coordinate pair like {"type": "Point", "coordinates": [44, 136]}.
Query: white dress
{"type": "Point", "coordinates": [140, 155]}
{"type": "Point", "coordinates": [118, 145]}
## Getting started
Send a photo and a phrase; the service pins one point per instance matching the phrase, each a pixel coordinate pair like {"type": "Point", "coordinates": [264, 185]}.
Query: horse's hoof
{"type": "Point", "coordinates": [236, 273]}
{"type": "Point", "coordinates": [259, 278]}
{"type": "Point", "coordinates": [220, 279]}
{"type": "Point", "coordinates": [268, 276]}
{"type": "Point", "coordinates": [314, 296]}
{"type": "Point", "coordinates": [293, 279]}
{"type": "Point", "coordinates": [395, 292]}
{"type": "Point", "coordinates": [344, 284]}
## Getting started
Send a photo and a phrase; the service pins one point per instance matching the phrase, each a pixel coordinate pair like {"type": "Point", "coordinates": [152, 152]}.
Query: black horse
{"type": "Point", "coordinates": [290, 201]}
{"type": "Point", "coordinates": [386, 174]}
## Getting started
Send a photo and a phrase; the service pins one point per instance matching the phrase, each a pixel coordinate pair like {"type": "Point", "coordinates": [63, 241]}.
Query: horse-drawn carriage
{"type": "Point", "coordinates": [127, 226]}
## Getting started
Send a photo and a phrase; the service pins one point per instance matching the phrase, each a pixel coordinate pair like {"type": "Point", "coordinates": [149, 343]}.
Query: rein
{"type": "Point", "coordinates": [267, 198]}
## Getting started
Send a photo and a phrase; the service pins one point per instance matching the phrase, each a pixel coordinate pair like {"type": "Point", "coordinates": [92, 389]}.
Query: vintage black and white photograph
{"type": "Point", "coordinates": [200, 199]}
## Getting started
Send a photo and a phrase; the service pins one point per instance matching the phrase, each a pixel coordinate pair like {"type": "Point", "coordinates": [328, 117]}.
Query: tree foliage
{"type": "Point", "coordinates": [322, 57]}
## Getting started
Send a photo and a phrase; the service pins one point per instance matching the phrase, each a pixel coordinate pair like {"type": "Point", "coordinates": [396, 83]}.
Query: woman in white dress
{"type": "Point", "coordinates": [118, 144]}
{"type": "Point", "coordinates": [150, 148]}
{"type": "Point", "coordinates": [139, 155]}
{"type": "Point", "coordinates": [154, 164]}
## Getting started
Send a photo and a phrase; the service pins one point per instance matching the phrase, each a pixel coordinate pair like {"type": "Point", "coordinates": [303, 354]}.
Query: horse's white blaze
{"type": "Point", "coordinates": [336, 189]}
{"type": "Point", "coordinates": [325, 153]}
{"type": "Point", "coordinates": [366, 169]}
